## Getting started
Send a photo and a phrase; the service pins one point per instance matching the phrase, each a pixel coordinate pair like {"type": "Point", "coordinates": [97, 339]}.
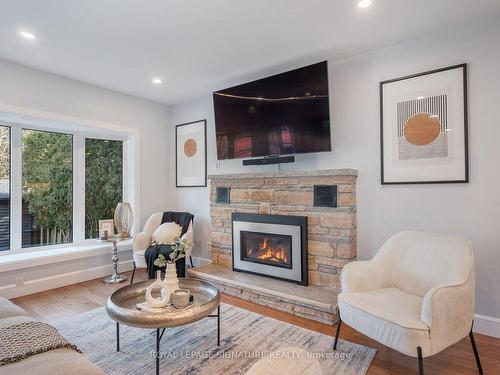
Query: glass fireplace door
{"type": "Point", "coordinates": [266, 248]}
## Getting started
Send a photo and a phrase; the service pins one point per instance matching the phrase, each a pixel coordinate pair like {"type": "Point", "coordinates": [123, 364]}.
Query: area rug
{"type": "Point", "coordinates": [246, 338]}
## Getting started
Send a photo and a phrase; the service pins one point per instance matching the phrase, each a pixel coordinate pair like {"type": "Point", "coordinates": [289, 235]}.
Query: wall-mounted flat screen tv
{"type": "Point", "coordinates": [284, 114]}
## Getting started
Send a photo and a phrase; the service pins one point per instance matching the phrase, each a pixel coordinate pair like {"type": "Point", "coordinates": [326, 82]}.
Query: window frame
{"type": "Point", "coordinates": [10, 189]}
{"type": "Point", "coordinates": [79, 133]}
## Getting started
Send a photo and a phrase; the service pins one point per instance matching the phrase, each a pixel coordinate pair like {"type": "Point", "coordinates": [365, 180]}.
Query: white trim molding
{"type": "Point", "coordinates": [42, 257]}
{"type": "Point", "coordinates": [64, 279]}
{"type": "Point", "coordinates": [487, 325]}
{"type": "Point", "coordinates": [26, 273]}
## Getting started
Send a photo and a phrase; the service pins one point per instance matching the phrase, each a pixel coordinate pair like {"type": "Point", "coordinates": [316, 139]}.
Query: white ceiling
{"type": "Point", "coordinates": [197, 46]}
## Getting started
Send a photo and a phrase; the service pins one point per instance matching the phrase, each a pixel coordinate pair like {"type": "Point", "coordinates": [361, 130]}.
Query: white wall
{"type": "Point", "coordinates": [51, 96]}
{"type": "Point", "coordinates": [470, 209]}
{"type": "Point", "coordinates": [54, 95]}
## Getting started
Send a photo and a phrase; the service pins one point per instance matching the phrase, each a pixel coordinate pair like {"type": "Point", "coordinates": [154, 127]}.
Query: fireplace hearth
{"type": "Point", "coordinates": [271, 245]}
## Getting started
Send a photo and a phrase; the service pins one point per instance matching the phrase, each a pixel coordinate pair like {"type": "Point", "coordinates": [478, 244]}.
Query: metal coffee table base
{"type": "Point", "coordinates": [159, 335]}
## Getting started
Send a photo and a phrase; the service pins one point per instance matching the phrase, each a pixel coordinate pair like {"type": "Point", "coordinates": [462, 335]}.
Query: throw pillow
{"type": "Point", "coordinates": [167, 233]}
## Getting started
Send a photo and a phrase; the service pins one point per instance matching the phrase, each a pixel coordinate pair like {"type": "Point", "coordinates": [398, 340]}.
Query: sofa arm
{"type": "Point", "coordinates": [362, 276]}
{"type": "Point", "coordinates": [141, 241]}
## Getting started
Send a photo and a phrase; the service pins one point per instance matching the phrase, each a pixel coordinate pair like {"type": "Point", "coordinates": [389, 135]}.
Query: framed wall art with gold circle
{"type": "Point", "coordinates": [191, 154]}
{"type": "Point", "coordinates": [423, 127]}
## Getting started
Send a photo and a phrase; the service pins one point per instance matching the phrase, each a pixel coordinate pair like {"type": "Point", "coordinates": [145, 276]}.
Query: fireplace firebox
{"type": "Point", "coordinates": [271, 245]}
{"type": "Point", "coordinates": [266, 248]}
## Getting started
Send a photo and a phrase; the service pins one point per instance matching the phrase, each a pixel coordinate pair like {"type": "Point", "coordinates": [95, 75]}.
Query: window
{"type": "Point", "coordinates": [58, 180]}
{"type": "Point", "coordinates": [4, 188]}
{"type": "Point", "coordinates": [47, 188]}
{"type": "Point", "coordinates": [103, 182]}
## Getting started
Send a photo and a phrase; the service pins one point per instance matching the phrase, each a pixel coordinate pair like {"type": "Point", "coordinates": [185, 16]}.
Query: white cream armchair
{"type": "Point", "coordinates": [143, 240]}
{"type": "Point", "coordinates": [415, 296]}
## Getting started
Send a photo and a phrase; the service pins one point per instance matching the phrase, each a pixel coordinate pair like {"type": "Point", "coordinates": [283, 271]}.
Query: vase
{"type": "Point", "coordinates": [171, 282]}
{"type": "Point", "coordinates": [165, 296]}
{"type": "Point", "coordinates": [124, 217]}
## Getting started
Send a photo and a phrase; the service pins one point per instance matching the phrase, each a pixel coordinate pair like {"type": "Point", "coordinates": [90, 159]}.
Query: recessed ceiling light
{"type": "Point", "coordinates": [27, 34]}
{"type": "Point", "coordinates": [364, 3]}
{"type": "Point", "coordinates": [157, 81]}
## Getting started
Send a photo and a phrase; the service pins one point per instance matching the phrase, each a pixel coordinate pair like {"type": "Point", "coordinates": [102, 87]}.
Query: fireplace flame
{"type": "Point", "coordinates": [272, 254]}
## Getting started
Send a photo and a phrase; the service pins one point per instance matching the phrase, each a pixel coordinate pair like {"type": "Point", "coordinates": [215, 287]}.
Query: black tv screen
{"type": "Point", "coordinates": [287, 113]}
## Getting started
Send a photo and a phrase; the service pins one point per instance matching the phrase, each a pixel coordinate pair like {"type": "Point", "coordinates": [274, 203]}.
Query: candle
{"type": "Point", "coordinates": [181, 298]}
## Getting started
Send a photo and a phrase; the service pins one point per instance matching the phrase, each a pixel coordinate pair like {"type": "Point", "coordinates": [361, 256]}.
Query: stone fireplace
{"type": "Point", "coordinates": [331, 231]}
{"type": "Point", "coordinates": [246, 249]}
{"type": "Point", "coordinates": [270, 245]}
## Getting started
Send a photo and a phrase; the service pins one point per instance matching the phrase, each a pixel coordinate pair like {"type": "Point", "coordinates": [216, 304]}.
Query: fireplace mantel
{"type": "Point", "coordinates": [287, 174]}
{"type": "Point", "coordinates": [331, 230]}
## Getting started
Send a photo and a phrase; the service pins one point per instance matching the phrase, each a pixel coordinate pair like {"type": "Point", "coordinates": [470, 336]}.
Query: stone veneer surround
{"type": "Point", "coordinates": [331, 231]}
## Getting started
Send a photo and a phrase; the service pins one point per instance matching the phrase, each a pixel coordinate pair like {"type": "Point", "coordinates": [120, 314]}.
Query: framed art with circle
{"type": "Point", "coordinates": [423, 127]}
{"type": "Point", "coordinates": [191, 154]}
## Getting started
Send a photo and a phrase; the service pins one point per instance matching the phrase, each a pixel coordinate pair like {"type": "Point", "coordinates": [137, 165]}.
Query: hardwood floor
{"type": "Point", "coordinates": [56, 304]}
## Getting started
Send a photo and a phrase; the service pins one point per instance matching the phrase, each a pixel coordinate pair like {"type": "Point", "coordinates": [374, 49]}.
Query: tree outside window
{"type": "Point", "coordinates": [47, 188]}
{"type": "Point", "coordinates": [103, 182]}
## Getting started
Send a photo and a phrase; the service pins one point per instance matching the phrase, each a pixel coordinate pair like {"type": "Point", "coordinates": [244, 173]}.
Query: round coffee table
{"type": "Point", "coordinates": [121, 307]}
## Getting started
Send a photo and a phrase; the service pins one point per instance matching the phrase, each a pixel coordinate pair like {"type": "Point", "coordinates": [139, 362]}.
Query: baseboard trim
{"type": "Point", "coordinates": [199, 261]}
{"type": "Point", "coordinates": [60, 280]}
{"type": "Point", "coordinates": [487, 325]}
